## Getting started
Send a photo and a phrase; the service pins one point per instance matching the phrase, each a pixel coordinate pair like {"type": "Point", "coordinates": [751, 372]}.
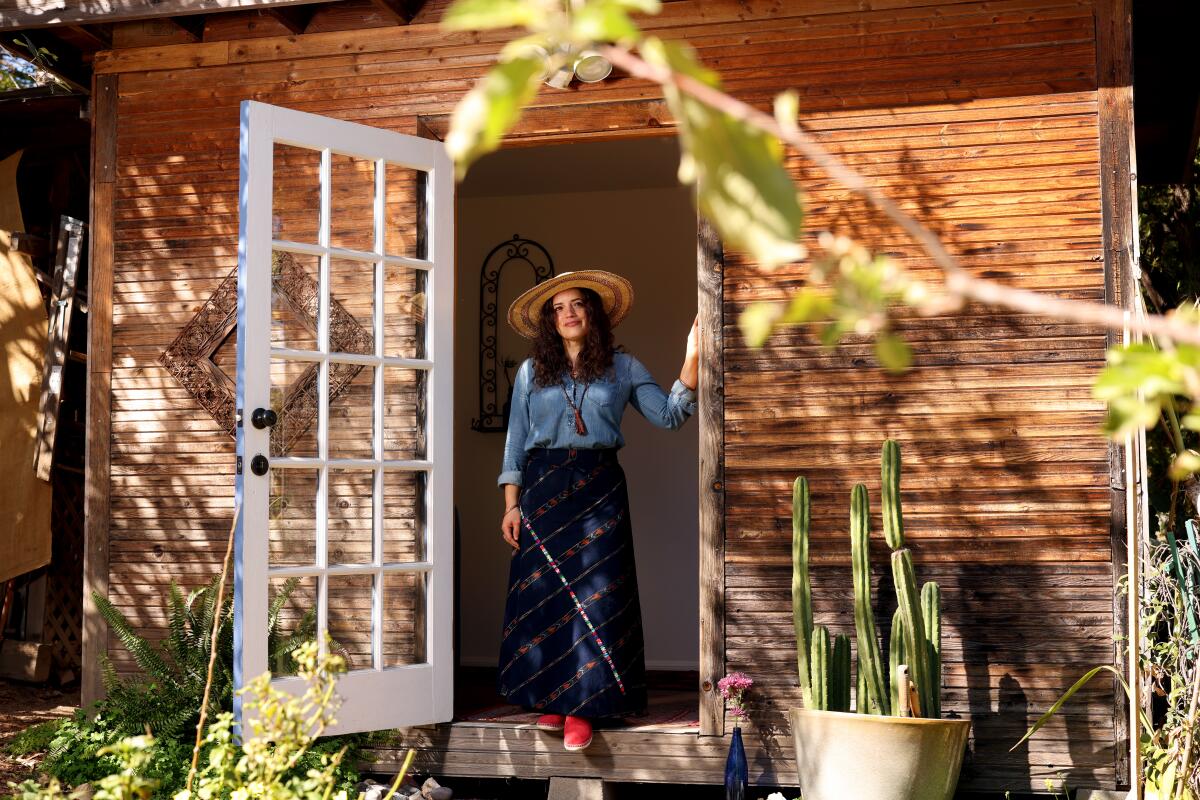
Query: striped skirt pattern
{"type": "Point", "coordinates": [572, 637]}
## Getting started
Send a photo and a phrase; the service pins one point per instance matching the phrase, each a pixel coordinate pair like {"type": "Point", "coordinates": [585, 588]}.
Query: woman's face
{"type": "Point", "coordinates": [570, 314]}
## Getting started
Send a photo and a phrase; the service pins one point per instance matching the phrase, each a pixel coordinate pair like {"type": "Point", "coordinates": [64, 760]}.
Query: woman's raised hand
{"type": "Point", "coordinates": [689, 373]}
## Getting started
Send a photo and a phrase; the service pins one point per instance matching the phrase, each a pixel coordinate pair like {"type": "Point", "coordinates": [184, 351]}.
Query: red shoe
{"type": "Point", "coordinates": [551, 722]}
{"type": "Point", "coordinates": [577, 733]}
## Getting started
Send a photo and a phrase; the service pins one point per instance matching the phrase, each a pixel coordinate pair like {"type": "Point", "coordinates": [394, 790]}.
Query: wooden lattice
{"type": "Point", "coordinates": [63, 623]}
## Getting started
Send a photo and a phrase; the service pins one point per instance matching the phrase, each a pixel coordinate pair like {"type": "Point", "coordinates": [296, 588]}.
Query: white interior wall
{"type": "Point", "coordinates": [649, 235]}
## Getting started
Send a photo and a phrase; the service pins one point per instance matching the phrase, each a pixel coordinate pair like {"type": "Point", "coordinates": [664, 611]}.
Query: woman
{"type": "Point", "coordinates": [572, 640]}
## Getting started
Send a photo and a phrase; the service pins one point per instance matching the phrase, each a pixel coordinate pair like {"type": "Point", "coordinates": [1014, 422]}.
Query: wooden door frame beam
{"type": "Point", "coordinates": [98, 435]}
{"type": "Point", "coordinates": [710, 275]}
{"type": "Point", "coordinates": [1118, 190]}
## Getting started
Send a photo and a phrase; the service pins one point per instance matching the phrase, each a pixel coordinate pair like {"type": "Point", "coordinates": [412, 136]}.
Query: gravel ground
{"type": "Point", "coordinates": [21, 706]}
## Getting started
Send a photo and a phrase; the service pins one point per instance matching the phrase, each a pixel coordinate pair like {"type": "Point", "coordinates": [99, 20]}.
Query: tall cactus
{"type": "Point", "coordinates": [860, 686]}
{"type": "Point", "coordinates": [893, 519]}
{"type": "Point", "coordinates": [931, 612]}
{"type": "Point", "coordinates": [870, 661]}
{"type": "Point", "coordinates": [839, 674]}
{"type": "Point", "coordinates": [908, 601]}
{"type": "Point", "coordinates": [896, 657]}
{"type": "Point", "coordinates": [818, 662]}
{"type": "Point", "coordinates": [824, 667]}
{"type": "Point", "coordinates": [802, 616]}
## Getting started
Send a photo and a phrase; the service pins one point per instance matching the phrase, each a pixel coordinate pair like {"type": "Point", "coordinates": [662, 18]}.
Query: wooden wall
{"type": "Point", "coordinates": [981, 117]}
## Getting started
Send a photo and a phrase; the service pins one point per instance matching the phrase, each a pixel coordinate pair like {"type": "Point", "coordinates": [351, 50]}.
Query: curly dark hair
{"type": "Point", "coordinates": [550, 357]}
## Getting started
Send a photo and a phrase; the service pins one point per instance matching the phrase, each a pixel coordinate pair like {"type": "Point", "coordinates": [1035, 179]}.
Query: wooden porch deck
{"type": "Point", "coordinates": [483, 749]}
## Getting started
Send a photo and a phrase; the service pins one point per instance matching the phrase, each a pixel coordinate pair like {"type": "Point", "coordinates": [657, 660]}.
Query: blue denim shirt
{"type": "Point", "coordinates": [540, 416]}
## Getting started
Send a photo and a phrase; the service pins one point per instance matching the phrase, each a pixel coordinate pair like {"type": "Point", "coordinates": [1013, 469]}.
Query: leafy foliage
{"type": "Point", "coordinates": [165, 697]}
{"type": "Point", "coordinates": [128, 780]}
{"type": "Point", "coordinates": [1169, 239]}
{"type": "Point", "coordinates": [1161, 771]}
{"type": "Point", "coordinates": [281, 728]}
{"type": "Point", "coordinates": [27, 72]}
{"type": "Point", "coordinates": [738, 171]}
{"type": "Point", "coordinates": [491, 109]}
{"type": "Point", "coordinates": [743, 188]}
{"type": "Point", "coordinates": [742, 184]}
{"type": "Point", "coordinates": [35, 739]}
{"type": "Point", "coordinates": [1142, 382]}
{"type": "Point", "coordinates": [81, 753]}
{"type": "Point", "coordinates": [16, 73]}
{"type": "Point", "coordinates": [282, 759]}
{"type": "Point", "coordinates": [857, 302]}
{"type": "Point", "coordinates": [1168, 668]}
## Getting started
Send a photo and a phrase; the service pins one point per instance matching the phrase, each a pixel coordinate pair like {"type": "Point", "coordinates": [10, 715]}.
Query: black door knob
{"type": "Point", "coordinates": [259, 464]}
{"type": "Point", "coordinates": [263, 418]}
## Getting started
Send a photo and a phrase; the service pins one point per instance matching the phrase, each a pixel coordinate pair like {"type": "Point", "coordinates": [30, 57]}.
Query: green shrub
{"type": "Point", "coordinates": [35, 739]}
{"type": "Point", "coordinates": [281, 759]}
{"type": "Point", "coordinates": [77, 753]}
{"type": "Point", "coordinates": [164, 698]}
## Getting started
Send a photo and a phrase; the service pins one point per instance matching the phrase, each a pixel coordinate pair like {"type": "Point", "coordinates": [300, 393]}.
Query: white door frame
{"type": "Point", "coordinates": [372, 698]}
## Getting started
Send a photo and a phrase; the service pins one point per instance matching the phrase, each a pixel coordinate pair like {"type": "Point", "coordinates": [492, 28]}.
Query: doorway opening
{"type": "Point", "coordinates": [614, 205]}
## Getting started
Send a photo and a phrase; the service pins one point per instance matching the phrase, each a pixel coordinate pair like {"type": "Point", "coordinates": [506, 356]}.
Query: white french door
{"type": "Point", "coordinates": [344, 381]}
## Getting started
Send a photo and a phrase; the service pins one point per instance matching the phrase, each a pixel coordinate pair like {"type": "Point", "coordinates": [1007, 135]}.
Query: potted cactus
{"type": "Point", "coordinates": [896, 746]}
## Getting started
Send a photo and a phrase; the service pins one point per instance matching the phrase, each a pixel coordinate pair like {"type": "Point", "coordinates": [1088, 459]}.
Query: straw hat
{"type": "Point", "coordinates": [616, 295]}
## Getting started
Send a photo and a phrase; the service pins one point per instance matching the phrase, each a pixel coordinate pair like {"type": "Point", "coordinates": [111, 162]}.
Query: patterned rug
{"type": "Point", "coordinates": [665, 710]}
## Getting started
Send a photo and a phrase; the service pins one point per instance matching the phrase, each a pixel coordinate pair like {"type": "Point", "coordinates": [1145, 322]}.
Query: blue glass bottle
{"type": "Point", "coordinates": [736, 773]}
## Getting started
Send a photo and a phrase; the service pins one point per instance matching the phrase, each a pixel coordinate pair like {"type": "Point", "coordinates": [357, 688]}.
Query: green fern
{"type": "Point", "coordinates": [166, 695]}
{"type": "Point", "coordinates": [145, 654]}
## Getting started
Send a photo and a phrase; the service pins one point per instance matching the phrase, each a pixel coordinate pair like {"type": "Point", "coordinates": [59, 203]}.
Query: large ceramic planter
{"type": "Point", "coordinates": [865, 757]}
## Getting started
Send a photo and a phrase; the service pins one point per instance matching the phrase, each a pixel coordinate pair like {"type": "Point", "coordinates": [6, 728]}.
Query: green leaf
{"type": "Point", "coordinates": [832, 333]}
{"type": "Point", "coordinates": [1184, 464]}
{"type": "Point", "coordinates": [807, 305]}
{"type": "Point", "coordinates": [604, 22]}
{"type": "Point", "coordinates": [535, 45]}
{"type": "Point", "coordinates": [486, 14]}
{"type": "Point", "coordinates": [489, 110]}
{"type": "Point", "coordinates": [757, 321]}
{"type": "Point", "coordinates": [644, 6]}
{"type": "Point", "coordinates": [1075, 687]}
{"type": "Point", "coordinates": [893, 352]}
{"type": "Point", "coordinates": [1129, 414]}
{"type": "Point", "coordinates": [742, 186]}
{"type": "Point", "coordinates": [1191, 422]}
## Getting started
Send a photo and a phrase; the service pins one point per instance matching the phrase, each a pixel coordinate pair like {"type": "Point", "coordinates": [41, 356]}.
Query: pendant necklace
{"type": "Point", "coordinates": [580, 428]}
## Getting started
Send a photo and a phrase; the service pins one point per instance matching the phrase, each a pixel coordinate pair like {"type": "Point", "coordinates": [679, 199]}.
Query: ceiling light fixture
{"type": "Point", "coordinates": [589, 66]}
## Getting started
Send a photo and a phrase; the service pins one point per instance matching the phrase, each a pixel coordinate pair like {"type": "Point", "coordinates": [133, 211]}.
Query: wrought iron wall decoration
{"type": "Point", "coordinates": [190, 358]}
{"type": "Point", "coordinates": [493, 414]}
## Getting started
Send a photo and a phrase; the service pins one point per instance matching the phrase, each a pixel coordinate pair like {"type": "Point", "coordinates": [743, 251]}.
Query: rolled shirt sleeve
{"type": "Point", "coordinates": [512, 469]}
{"type": "Point", "coordinates": [665, 410]}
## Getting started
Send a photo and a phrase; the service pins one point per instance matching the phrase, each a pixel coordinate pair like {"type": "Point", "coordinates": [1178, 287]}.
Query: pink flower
{"type": "Point", "coordinates": [733, 686]}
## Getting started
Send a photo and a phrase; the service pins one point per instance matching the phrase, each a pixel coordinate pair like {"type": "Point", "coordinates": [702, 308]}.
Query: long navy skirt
{"type": "Point", "coordinates": [572, 638]}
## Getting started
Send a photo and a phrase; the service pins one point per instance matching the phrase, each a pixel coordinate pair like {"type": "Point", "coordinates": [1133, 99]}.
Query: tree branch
{"type": "Point", "coordinates": [212, 653]}
{"type": "Point", "coordinates": [959, 283]}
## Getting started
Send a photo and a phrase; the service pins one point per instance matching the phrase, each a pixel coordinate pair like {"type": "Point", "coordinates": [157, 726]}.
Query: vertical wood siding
{"type": "Point", "coordinates": [981, 117]}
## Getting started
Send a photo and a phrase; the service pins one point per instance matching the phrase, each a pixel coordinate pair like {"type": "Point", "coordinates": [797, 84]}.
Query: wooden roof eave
{"type": "Point", "coordinates": [22, 15]}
